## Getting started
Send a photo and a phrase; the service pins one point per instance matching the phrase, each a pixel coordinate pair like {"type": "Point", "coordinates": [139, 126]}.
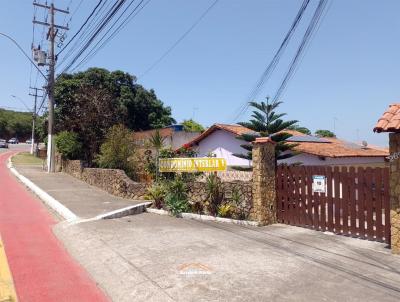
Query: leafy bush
{"type": "Point", "coordinates": [68, 145]}
{"type": "Point", "coordinates": [324, 133]}
{"type": "Point", "coordinates": [176, 198]}
{"type": "Point", "coordinates": [192, 126]}
{"type": "Point", "coordinates": [117, 150]}
{"type": "Point", "coordinates": [215, 193]}
{"type": "Point", "coordinates": [239, 209]}
{"type": "Point", "coordinates": [176, 205]}
{"type": "Point", "coordinates": [225, 210]}
{"type": "Point", "coordinates": [157, 192]}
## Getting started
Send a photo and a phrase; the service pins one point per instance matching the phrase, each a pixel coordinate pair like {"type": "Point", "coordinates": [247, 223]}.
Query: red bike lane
{"type": "Point", "coordinates": [42, 269]}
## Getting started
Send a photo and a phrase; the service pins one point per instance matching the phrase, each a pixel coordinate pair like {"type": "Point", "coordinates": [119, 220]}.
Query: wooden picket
{"type": "Point", "coordinates": [356, 201]}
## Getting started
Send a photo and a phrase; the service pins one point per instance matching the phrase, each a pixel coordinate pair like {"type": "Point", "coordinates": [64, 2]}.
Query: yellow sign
{"type": "Point", "coordinates": [197, 164]}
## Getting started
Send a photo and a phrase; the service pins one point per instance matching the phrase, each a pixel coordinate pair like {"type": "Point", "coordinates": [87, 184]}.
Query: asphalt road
{"type": "Point", "coordinates": [149, 257]}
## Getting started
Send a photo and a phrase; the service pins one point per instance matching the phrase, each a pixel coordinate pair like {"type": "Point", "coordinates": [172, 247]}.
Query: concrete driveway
{"type": "Point", "coordinates": [148, 257]}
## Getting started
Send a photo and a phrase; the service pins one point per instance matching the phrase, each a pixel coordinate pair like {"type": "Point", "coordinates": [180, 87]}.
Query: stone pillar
{"type": "Point", "coordinates": [394, 149]}
{"type": "Point", "coordinates": [264, 194]}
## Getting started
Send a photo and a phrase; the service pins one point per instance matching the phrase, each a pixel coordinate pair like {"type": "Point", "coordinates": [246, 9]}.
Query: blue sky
{"type": "Point", "coordinates": [349, 72]}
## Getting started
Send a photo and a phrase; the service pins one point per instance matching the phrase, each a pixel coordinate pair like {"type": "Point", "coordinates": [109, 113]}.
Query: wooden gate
{"type": "Point", "coordinates": [355, 203]}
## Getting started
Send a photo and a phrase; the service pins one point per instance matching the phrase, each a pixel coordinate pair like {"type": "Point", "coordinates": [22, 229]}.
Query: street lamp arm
{"type": "Point", "coordinates": [20, 48]}
{"type": "Point", "coordinates": [18, 98]}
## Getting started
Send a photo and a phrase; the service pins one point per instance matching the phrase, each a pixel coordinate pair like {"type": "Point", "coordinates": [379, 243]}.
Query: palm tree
{"type": "Point", "coordinates": [266, 122]}
{"type": "Point", "coordinates": [157, 142]}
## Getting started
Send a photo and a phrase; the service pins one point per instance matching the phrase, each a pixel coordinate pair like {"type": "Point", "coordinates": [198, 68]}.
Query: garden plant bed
{"type": "Point", "coordinates": [204, 217]}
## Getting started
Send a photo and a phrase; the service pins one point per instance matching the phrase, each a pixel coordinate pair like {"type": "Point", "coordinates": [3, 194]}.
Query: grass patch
{"type": "Point", "coordinates": [25, 158]}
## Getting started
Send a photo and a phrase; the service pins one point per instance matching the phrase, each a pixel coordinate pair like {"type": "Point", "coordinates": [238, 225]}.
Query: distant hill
{"type": "Point", "coordinates": [15, 124]}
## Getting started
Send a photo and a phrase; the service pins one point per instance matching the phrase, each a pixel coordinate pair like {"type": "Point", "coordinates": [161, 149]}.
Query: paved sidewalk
{"type": "Point", "coordinates": [83, 200]}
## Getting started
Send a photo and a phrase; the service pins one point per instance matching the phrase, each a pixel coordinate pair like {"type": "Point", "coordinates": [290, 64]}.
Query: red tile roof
{"type": "Point", "coordinates": [390, 120]}
{"type": "Point", "coordinates": [165, 132]}
{"type": "Point", "coordinates": [332, 147]}
{"type": "Point", "coordinates": [339, 148]}
{"type": "Point", "coordinates": [234, 129]}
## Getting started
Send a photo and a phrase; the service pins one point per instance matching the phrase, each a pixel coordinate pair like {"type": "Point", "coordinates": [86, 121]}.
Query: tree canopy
{"type": "Point", "coordinates": [192, 126]}
{"type": "Point", "coordinates": [91, 102]}
{"type": "Point", "coordinates": [267, 122]}
{"type": "Point", "coordinates": [15, 124]}
{"type": "Point", "coordinates": [325, 133]}
{"type": "Point", "coordinates": [301, 129]}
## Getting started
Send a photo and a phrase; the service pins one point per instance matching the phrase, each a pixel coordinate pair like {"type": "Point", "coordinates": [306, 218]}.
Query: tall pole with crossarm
{"type": "Point", "coordinates": [51, 36]}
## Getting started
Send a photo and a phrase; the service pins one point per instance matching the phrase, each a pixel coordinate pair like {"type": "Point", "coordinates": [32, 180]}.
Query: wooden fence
{"type": "Point", "coordinates": [356, 201]}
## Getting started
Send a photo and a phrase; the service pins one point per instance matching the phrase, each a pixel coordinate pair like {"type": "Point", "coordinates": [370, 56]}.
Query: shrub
{"type": "Point", "coordinates": [117, 150]}
{"type": "Point", "coordinates": [215, 193]}
{"type": "Point", "coordinates": [157, 192]}
{"type": "Point", "coordinates": [176, 198]}
{"type": "Point", "coordinates": [176, 205]}
{"type": "Point", "coordinates": [225, 210]}
{"type": "Point", "coordinates": [240, 209]}
{"type": "Point", "coordinates": [68, 145]}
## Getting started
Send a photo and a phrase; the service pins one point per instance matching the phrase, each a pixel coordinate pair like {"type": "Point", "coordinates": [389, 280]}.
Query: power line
{"type": "Point", "coordinates": [128, 19]}
{"type": "Point", "coordinates": [112, 26]}
{"type": "Point", "coordinates": [271, 66]}
{"type": "Point", "coordinates": [82, 26]}
{"type": "Point", "coordinates": [115, 8]}
{"type": "Point", "coordinates": [87, 30]}
{"type": "Point", "coordinates": [75, 10]}
{"type": "Point", "coordinates": [305, 40]}
{"type": "Point", "coordinates": [175, 44]}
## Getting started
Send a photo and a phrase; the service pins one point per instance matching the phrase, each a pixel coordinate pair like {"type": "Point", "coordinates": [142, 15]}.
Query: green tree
{"type": "Point", "coordinates": [266, 122]}
{"type": "Point", "coordinates": [91, 102]}
{"type": "Point", "coordinates": [117, 150]}
{"type": "Point", "coordinates": [15, 124]}
{"type": "Point", "coordinates": [303, 130]}
{"type": "Point", "coordinates": [68, 145]}
{"type": "Point", "coordinates": [192, 126]}
{"type": "Point", "coordinates": [324, 133]}
{"type": "Point", "coordinates": [157, 142]}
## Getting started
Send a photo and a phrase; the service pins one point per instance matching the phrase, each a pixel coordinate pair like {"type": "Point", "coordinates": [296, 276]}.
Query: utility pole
{"type": "Point", "coordinates": [51, 36]}
{"type": "Point", "coordinates": [34, 116]}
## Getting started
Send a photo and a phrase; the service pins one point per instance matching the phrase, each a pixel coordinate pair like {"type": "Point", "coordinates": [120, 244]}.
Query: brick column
{"type": "Point", "coordinates": [264, 194]}
{"type": "Point", "coordinates": [394, 147]}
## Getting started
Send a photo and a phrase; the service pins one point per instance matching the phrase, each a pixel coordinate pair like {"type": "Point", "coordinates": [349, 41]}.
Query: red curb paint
{"type": "Point", "coordinates": [42, 269]}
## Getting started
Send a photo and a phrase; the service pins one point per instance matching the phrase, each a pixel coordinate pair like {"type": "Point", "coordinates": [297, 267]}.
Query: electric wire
{"type": "Point", "coordinates": [80, 29]}
{"type": "Point", "coordinates": [272, 65]}
{"type": "Point", "coordinates": [87, 30]}
{"type": "Point", "coordinates": [91, 28]}
{"type": "Point", "coordinates": [114, 10]}
{"type": "Point", "coordinates": [179, 40]}
{"type": "Point", "coordinates": [125, 22]}
{"type": "Point", "coordinates": [304, 42]}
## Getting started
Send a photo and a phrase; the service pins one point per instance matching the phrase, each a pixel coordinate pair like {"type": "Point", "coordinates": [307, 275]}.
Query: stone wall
{"type": "Point", "coordinates": [198, 193]}
{"type": "Point", "coordinates": [114, 181]}
{"type": "Point", "coordinates": [395, 192]}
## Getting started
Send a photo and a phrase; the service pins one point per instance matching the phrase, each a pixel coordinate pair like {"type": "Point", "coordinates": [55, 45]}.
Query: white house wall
{"type": "Point", "coordinates": [180, 138]}
{"type": "Point", "coordinates": [223, 144]}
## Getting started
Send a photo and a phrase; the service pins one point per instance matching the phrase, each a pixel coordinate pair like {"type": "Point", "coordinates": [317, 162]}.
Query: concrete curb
{"type": "Point", "coordinates": [47, 199]}
{"type": "Point", "coordinates": [131, 210]}
{"type": "Point", "coordinates": [205, 217]}
{"type": "Point", "coordinates": [157, 211]}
